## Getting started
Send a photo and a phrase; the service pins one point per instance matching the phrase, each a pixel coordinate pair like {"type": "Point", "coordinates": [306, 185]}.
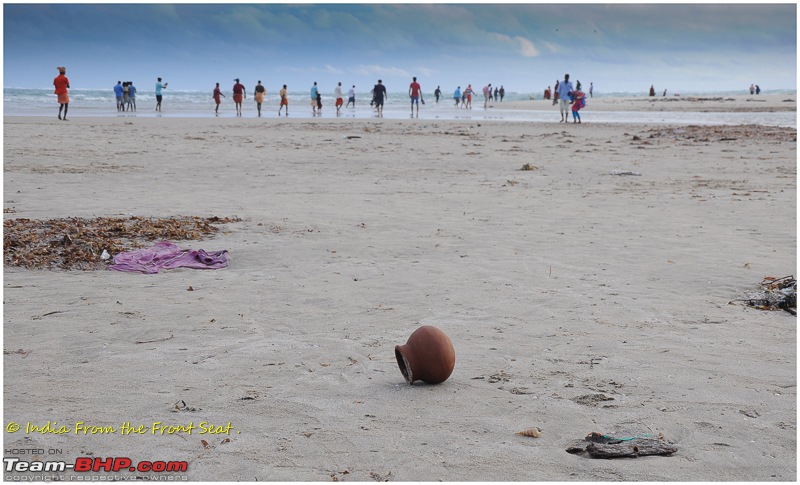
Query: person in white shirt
{"type": "Point", "coordinates": [564, 90]}
{"type": "Point", "coordinates": [338, 94]}
{"type": "Point", "coordinates": [351, 97]}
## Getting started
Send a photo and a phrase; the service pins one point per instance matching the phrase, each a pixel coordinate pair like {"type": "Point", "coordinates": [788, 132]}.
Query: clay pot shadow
{"type": "Point", "coordinates": [427, 356]}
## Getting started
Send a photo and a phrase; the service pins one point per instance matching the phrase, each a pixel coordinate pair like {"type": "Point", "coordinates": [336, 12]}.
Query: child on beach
{"type": "Point", "coordinates": [578, 102]}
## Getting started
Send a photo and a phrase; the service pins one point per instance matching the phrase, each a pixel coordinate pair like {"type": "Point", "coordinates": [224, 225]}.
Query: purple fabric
{"type": "Point", "coordinates": [165, 255]}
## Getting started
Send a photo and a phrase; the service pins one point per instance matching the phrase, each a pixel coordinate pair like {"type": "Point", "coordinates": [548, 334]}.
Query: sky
{"type": "Point", "coordinates": [524, 47]}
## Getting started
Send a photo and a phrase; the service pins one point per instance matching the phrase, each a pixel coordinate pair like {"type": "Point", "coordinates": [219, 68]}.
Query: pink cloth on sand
{"type": "Point", "coordinates": [165, 255]}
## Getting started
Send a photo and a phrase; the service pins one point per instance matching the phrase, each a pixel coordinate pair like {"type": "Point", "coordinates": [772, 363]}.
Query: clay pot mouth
{"type": "Point", "coordinates": [405, 367]}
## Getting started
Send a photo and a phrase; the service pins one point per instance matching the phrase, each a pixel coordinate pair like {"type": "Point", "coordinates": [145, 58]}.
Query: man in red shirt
{"type": "Point", "coordinates": [415, 93]}
{"type": "Point", "coordinates": [62, 84]}
{"type": "Point", "coordinates": [238, 95]}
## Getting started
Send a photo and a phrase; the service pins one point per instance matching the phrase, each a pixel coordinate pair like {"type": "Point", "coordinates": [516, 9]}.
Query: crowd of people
{"type": "Point", "coordinates": [569, 98]}
{"type": "Point", "coordinates": [125, 94]}
{"type": "Point", "coordinates": [464, 99]}
{"type": "Point", "coordinates": [379, 95]}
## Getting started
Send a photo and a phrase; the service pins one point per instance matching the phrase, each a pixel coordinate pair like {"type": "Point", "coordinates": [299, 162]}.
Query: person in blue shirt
{"type": "Point", "coordinates": [314, 92]}
{"type": "Point", "coordinates": [159, 87]}
{"type": "Point", "coordinates": [131, 97]}
{"type": "Point", "coordinates": [457, 96]}
{"type": "Point", "coordinates": [119, 92]}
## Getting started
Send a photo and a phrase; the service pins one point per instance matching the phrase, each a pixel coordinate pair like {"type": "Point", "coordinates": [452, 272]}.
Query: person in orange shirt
{"type": "Point", "coordinates": [62, 85]}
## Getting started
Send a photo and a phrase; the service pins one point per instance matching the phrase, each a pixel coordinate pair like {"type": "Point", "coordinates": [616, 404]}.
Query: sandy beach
{"type": "Point", "coordinates": [588, 294]}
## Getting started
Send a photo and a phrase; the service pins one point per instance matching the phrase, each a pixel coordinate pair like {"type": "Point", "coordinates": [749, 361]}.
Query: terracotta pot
{"type": "Point", "coordinates": [427, 356]}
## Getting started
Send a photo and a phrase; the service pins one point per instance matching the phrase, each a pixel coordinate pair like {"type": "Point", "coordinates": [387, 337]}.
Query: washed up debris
{"type": "Point", "coordinates": [528, 166]}
{"type": "Point", "coordinates": [591, 399]}
{"type": "Point", "coordinates": [165, 255]}
{"type": "Point", "coordinates": [75, 243]}
{"type": "Point", "coordinates": [181, 406]}
{"type": "Point", "coordinates": [774, 294]}
{"type": "Point", "coordinates": [530, 432]}
{"type": "Point", "coordinates": [24, 353]}
{"type": "Point", "coordinates": [598, 445]}
{"type": "Point", "coordinates": [626, 172]}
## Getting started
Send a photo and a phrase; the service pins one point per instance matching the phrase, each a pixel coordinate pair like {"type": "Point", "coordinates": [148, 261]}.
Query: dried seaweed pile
{"type": "Point", "coordinates": [75, 243]}
{"type": "Point", "coordinates": [774, 294]}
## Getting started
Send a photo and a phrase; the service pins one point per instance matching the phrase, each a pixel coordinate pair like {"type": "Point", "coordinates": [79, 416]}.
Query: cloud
{"type": "Point", "coordinates": [527, 49]}
{"type": "Point", "coordinates": [425, 72]}
{"type": "Point", "coordinates": [333, 70]}
{"type": "Point", "coordinates": [553, 47]}
{"type": "Point", "coordinates": [525, 46]}
{"type": "Point", "coordinates": [376, 70]}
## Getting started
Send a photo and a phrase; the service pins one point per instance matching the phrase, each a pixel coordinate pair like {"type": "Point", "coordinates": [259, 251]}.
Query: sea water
{"type": "Point", "coordinates": [193, 104]}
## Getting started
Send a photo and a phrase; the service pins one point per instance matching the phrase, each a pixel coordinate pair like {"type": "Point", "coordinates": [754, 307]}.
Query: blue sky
{"type": "Point", "coordinates": [525, 47]}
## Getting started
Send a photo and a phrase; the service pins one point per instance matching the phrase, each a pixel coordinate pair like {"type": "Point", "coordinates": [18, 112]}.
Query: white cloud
{"type": "Point", "coordinates": [424, 72]}
{"type": "Point", "coordinates": [525, 46]}
{"type": "Point", "coordinates": [554, 48]}
{"type": "Point", "coordinates": [332, 70]}
{"type": "Point", "coordinates": [376, 70]}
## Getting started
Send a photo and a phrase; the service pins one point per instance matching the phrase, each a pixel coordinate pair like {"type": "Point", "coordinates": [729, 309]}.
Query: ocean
{"type": "Point", "coordinates": [193, 104]}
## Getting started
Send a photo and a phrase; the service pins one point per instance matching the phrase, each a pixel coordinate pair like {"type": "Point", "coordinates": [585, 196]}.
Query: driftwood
{"type": "Point", "coordinates": [601, 446]}
{"type": "Point", "coordinates": [632, 448]}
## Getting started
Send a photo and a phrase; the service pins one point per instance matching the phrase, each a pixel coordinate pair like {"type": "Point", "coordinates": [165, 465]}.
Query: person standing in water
{"type": "Point", "coordinates": [314, 92]}
{"type": "Point", "coordinates": [159, 87]}
{"type": "Point", "coordinates": [379, 96]}
{"type": "Point", "coordinates": [468, 92]}
{"type": "Point", "coordinates": [61, 84]}
{"type": "Point", "coordinates": [238, 96]}
{"type": "Point", "coordinates": [131, 96]}
{"type": "Point", "coordinates": [259, 93]}
{"type": "Point", "coordinates": [217, 95]}
{"type": "Point", "coordinates": [339, 99]}
{"type": "Point", "coordinates": [284, 101]}
{"type": "Point", "coordinates": [457, 95]}
{"type": "Point", "coordinates": [414, 92]}
{"type": "Point", "coordinates": [118, 93]}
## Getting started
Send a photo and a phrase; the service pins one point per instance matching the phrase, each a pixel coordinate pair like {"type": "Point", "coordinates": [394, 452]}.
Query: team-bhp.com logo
{"type": "Point", "coordinates": [85, 464]}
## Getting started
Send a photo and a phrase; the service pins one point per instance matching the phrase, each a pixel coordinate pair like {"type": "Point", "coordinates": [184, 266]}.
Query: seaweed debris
{"type": "Point", "coordinates": [75, 243]}
{"type": "Point", "coordinates": [774, 294]}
